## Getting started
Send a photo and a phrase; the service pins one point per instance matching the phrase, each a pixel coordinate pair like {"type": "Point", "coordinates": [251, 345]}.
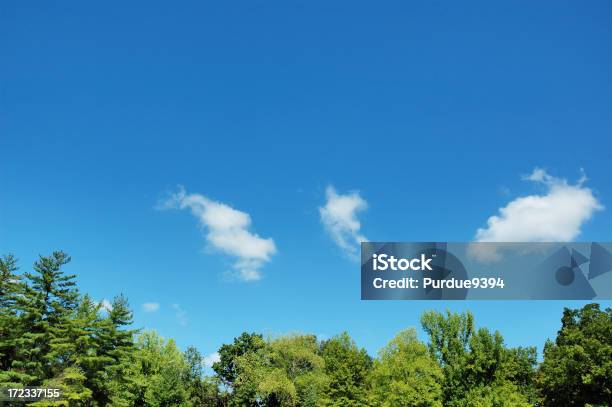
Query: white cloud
{"type": "Point", "coordinates": [339, 216]}
{"type": "Point", "coordinates": [227, 230]}
{"type": "Point", "coordinates": [105, 305]}
{"type": "Point", "coordinates": [211, 359]}
{"type": "Point", "coordinates": [150, 306]}
{"type": "Point", "coordinates": [555, 216]}
{"type": "Point", "coordinates": [180, 313]}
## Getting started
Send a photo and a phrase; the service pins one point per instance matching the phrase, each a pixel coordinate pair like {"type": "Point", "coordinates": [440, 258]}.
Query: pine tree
{"type": "Point", "coordinates": [10, 329]}
{"type": "Point", "coordinates": [115, 345]}
{"type": "Point", "coordinates": [48, 301]}
{"type": "Point", "coordinates": [88, 351]}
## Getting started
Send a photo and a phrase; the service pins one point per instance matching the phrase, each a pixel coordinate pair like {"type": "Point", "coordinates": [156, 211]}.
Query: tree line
{"type": "Point", "coordinates": [52, 335]}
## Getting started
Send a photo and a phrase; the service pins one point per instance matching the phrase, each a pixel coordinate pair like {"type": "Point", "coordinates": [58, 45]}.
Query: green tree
{"type": "Point", "coordinates": [476, 363]}
{"type": "Point", "coordinates": [519, 368]}
{"type": "Point", "coordinates": [577, 367]}
{"type": "Point", "coordinates": [45, 309]}
{"type": "Point", "coordinates": [286, 372]}
{"type": "Point", "coordinates": [157, 371]}
{"type": "Point", "coordinates": [82, 347]}
{"type": "Point", "coordinates": [98, 342]}
{"type": "Point", "coordinates": [114, 345]}
{"type": "Point", "coordinates": [243, 394]}
{"type": "Point", "coordinates": [202, 391]}
{"type": "Point", "coordinates": [243, 344]}
{"type": "Point", "coordinates": [449, 337]}
{"type": "Point", "coordinates": [50, 335]}
{"type": "Point", "coordinates": [406, 375]}
{"type": "Point", "coordinates": [10, 327]}
{"type": "Point", "coordinates": [75, 393]}
{"type": "Point", "coordinates": [347, 368]}
{"type": "Point", "coordinates": [499, 394]}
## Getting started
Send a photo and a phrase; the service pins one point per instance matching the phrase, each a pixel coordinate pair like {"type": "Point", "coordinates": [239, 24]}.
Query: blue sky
{"type": "Point", "coordinates": [433, 112]}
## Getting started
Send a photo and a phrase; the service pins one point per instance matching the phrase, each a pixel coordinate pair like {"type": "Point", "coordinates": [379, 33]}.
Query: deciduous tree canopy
{"type": "Point", "coordinates": [52, 335]}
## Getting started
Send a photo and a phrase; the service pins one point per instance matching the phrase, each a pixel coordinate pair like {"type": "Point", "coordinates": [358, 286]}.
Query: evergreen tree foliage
{"type": "Point", "coordinates": [45, 309]}
{"type": "Point", "coordinates": [10, 327]}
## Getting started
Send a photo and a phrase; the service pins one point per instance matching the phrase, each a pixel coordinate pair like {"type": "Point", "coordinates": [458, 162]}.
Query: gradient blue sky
{"type": "Point", "coordinates": [431, 110]}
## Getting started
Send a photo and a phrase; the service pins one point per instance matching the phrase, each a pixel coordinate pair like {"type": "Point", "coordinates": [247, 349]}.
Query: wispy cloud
{"type": "Point", "coordinates": [105, 305]}
{"type": "Point", "coordinates": [150, 306]}
{"type": "Point", "coordinates": [180, 313]}
{"type": "Point", "coordinates": [339, 217]}
{"type": "Point", "coordinates": [227, 230]}
{"type": "Point", "coordinates": [211, 359]}
{"type": "Point", "coordinates": [555, 216]}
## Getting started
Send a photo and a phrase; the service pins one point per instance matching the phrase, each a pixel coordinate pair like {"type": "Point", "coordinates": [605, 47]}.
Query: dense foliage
{"type": "Point", "coordinates": [52, 335]}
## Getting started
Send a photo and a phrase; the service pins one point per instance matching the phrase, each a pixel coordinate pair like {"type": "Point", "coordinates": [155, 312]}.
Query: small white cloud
{"type": "Point", "coordinates": [339, 216]}
{"type": "Point", "coordinates": [485, 253]}
{"type": "Point", "coordinates": [556, 216]}
{"type": "Point", "coordinates": [150, 306]}
{"type": "Point", "coordinates": [180, 313]}
{"type": "Point", "coordinates": [227, 230]}
{"type": "Point", "coordinates": [105, 305]}
{"type": "Point", "coordinates": [211, 359]}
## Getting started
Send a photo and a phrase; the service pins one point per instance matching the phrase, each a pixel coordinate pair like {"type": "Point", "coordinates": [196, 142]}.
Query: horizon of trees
{"type": "Point", "coordinates": [52, 335]}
